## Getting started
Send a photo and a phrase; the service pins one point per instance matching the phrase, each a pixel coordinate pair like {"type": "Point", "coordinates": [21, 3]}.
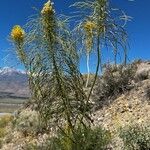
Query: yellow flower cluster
{"type": "Point", "coordinates": [48, 8]}
{"type": "Point", "coordinates": [89, 26]}
{"type": "Point", "coordinates": [17, 33]}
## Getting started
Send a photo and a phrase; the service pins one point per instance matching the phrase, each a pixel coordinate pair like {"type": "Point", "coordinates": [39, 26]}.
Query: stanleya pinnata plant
{"type": "Point", "coordinates": [51, 60]}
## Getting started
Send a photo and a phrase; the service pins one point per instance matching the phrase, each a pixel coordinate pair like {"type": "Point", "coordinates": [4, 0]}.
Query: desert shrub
{"type": "Point", "coordinates": [114, 81]}
{"type": "Point", "coordinates": [147, 92]}
{"type": "Point", "coordinates": [27, 122]}
{"type": "Point", "coordinates": [2, 132]}
{"type": "Point", "coordinates": [31, 146]}
{"type": "Point", "coordinates": [82, 139]}
{"type": "Point", "coordinates": [4, 120]}
{"type": "Point", "coordinates": [1, 144]}
{"type": "Point", "coordinates": [136, 137]}
{"type": "Point", "coordinates": [143, 73]}
{"type": "Point", "coordinates": [2, 135]}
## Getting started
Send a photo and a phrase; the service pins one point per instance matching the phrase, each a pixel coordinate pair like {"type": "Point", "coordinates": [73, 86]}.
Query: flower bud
{"type": "Point", "coordinates": [48, 8]}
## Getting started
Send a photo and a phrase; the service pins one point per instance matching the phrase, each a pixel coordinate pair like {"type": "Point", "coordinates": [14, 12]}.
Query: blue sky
{"type": "Point", "coordinates": [17, 12]}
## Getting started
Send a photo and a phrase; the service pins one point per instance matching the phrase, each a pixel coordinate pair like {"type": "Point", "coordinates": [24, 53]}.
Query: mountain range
{"type": "Point", "coordinates": [13, 83]}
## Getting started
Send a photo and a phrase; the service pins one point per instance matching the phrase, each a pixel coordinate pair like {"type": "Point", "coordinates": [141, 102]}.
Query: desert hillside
{"type": "Point", "coordinates": [117, 110]}
{"type": "Point", "coordinates": [131, 107]}
{"type": "Point", "coordinates": [85, 83]}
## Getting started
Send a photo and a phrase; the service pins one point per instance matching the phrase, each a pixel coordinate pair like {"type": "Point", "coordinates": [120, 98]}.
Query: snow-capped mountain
{"type": "Point", "coordinates": [13, 83]}
{"type": "Point", "coordinates": [10, 71]}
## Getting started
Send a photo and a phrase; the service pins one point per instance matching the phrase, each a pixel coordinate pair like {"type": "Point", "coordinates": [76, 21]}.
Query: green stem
{"type": "Point", "coordinates": [125, 56]}
{"type": "Point", "coordinates": [97, 67]}
{"type": "Point", "coordinates": [63, 95]}
{"type": "Point", "coordinates": [96, 74]}
{"type": "Point", "coordinates": [88, 69]}
{"type": "Point", "coordinates": [66, 105]}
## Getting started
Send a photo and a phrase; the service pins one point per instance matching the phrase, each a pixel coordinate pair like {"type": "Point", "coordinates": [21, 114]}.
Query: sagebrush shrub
{"type": "Point", "coordinates": [136, 137]}
{"type": "Point", "coordinates": [4, 121]}
{"type": "Point", "coordinates": [84, 138]}
{"type": "Point", "coordinates": [147, 92]}
{"type": "Point", "coordinates": [115, 80]}
{"type": "Point", "coordinates": [27, 122]}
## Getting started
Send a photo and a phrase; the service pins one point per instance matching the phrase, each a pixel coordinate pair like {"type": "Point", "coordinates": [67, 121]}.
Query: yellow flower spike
{"type": "Point", "coordinates": [89, 27]}
{"type": "Point", "coordinates": [48, 8]}
{"type": "Point", "coordinates": [17, 33]}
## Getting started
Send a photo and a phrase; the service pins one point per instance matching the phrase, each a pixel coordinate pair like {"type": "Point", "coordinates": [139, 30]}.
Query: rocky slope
{"type": "Point", "coordinates": [129, 108]}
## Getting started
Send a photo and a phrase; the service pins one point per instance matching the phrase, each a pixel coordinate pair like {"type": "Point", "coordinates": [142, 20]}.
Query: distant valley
{"type": "Point", "coordinates": [13, 89]}
{"type": "Point", "coordinates": [13, 83]}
